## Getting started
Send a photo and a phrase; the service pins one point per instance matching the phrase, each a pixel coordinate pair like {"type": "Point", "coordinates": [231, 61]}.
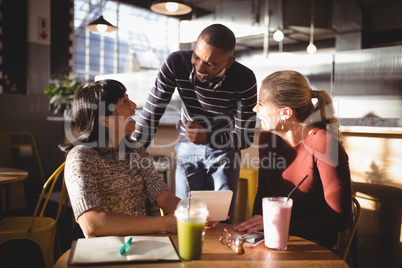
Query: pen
{"type": "Point", "coordinates": [125, 246]}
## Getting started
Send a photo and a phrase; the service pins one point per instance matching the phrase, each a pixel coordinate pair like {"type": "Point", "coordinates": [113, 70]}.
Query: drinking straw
{"type": "Point", "coordinates": [188, 190]}
{"type": "Point", "coordinates": [297, 186]}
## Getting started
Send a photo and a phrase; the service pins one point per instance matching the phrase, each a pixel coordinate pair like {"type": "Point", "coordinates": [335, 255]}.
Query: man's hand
{"type": "Point", "coordinates": [195, 132]}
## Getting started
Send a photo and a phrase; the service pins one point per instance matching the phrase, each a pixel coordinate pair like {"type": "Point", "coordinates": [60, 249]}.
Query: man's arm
{"type": "Point", "coordinates": [158, 99]}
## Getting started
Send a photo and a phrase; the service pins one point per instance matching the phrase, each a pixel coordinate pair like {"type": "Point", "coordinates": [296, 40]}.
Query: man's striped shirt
{"type": "Point", "coordinates": [225, 112]}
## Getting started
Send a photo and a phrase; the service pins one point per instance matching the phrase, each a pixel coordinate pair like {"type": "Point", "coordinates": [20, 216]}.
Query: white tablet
{"type": "Point", "coordinates": [218, 203]}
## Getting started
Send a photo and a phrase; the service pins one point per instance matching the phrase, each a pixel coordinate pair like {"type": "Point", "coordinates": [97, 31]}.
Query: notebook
{"type": "Point", "coordinates": [106, 250]}
{"type": "Point", "coordinates": [218, 203]}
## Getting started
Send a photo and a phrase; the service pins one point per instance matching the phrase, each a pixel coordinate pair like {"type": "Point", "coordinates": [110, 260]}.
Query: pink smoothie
{"type": "Point", "coordinates": [276, 214]}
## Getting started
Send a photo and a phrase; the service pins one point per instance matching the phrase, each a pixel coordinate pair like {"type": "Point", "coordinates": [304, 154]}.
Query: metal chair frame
{"type": "Point", "coordinates": [356, 214]}
{"type": "Point", "coordinates": [38, 228]}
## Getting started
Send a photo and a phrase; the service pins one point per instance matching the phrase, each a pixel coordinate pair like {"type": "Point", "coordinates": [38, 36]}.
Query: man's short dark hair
{"type": "Point", "coordinates": [219, 36]}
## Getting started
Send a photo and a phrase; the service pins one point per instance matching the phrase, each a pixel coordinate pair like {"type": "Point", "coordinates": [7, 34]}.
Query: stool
{"type": "Point", "coordinates": [251, 178]}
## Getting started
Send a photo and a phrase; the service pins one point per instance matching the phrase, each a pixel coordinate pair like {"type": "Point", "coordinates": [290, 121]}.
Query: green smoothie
{"type": "Point", "coordinates": [190, 239]}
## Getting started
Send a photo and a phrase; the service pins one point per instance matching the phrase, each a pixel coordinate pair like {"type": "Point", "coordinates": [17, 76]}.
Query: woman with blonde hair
{"type": "Point", "coordinates": [299, 139]}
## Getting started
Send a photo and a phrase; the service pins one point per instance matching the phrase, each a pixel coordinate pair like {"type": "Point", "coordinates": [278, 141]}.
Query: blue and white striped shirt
{"type": "Point", "coordinates": [225, 112]}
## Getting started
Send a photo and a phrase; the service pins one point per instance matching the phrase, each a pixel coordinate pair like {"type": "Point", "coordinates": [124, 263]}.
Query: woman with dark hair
{"type": "Point", "coordinates": [301, 139]}
{"type": "Point", "coordinates": [107, 173]}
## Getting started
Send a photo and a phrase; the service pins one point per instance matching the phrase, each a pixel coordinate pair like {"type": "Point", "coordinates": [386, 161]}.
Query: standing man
{"type": "Point", "coordinates": [217, 119]}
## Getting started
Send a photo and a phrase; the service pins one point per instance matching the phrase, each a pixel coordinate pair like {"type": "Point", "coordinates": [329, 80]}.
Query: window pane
{"type": "Point", "coordinates": [144, 39]}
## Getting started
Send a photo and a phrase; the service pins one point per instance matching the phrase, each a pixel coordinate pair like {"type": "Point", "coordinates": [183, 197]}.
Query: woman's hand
{"type": "Point", "coordinates": [250, 225]}
{"type": "Point", "coordinates": [170, 223]}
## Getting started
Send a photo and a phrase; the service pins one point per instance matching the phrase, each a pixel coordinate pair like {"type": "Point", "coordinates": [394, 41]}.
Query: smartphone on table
{"type": "Point", "coordinates": [253, 239]}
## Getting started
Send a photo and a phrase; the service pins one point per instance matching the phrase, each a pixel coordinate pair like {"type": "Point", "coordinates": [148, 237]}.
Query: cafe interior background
{"type": "Point", "coordinates": [358, 59]}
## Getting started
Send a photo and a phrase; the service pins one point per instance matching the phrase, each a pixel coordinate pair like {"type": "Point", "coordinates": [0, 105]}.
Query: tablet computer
{"type": "Point", "coordinates": [218, 203]}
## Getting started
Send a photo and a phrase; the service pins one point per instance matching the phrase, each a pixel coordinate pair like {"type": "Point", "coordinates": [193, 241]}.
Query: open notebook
{"type": "Point", "coordinates": [218, 203]}
{"type": "Point", "coordinates": [106, 250]}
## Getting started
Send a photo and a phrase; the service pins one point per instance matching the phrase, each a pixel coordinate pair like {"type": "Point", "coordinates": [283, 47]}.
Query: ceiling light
{"type": "Point", "coordinates": [170, 8]}
{"type": "Point", "coordinates": [100, 25]}
{"type": "Point", "coordinates": [311, 48]}
{"type": "Point", "coordinates": [278, 35]}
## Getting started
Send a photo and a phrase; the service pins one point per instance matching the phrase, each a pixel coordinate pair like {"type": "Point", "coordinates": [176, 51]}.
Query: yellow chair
{"type": "Point", "coordinates": [250, 176]}
{"type": "Point", "coordinates": [38, 228]}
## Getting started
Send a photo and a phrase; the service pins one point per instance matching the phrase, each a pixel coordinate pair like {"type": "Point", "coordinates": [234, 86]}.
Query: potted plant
{"type": "Point", "coordinates": [61, 92]}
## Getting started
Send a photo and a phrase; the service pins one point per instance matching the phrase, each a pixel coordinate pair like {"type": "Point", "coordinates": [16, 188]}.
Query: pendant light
{"type": "Point", "coordinates": [278, 35]}
{"type": "Point", "coordinates": [100, 24]}
{"type": "Point", "coordinates": [311, 48]}
{"type": "Point", "coordinates": [170, 7]}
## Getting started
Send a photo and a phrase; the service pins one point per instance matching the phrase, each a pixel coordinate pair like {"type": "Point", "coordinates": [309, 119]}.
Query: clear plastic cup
{"type": "Point", "coordinates": [190, 227]}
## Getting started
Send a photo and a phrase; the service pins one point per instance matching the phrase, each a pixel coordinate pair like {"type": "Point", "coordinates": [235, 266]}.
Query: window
{"type": "Point", "coordinates": [142, 42]}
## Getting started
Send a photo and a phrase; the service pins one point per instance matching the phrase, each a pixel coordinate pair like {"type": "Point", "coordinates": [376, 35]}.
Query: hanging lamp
{"type": "Point", "coordinates": [174, 8]}
{"type": "Point", "coordinates": [100, 24]}
{"type": "Point", "coordinates": [311, 48]}
{"type": "Point", "coordinates": [278, 35]}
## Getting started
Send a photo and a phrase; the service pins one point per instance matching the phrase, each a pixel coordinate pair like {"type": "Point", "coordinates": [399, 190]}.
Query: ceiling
{"type": "Point", "coordinates": [378, 20]}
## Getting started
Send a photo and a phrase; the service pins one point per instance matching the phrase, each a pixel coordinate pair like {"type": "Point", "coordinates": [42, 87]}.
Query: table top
{"type": "Point", "coordinates": [300, 252]}
{"type": "Point", "coordinates": [11, 175]}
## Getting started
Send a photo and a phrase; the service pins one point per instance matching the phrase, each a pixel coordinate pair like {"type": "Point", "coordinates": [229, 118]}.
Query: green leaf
{"type": "Point", "coordinates": [62, 93]}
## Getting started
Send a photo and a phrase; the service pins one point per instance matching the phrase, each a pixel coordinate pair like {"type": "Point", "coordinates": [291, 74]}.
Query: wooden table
{"type": "Point", "coordinates": [7, 177]}
{"type": "Point", "coordinates": [300, 253]}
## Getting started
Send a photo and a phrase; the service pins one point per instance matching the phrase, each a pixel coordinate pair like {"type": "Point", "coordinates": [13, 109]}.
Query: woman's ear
{"type": "Point", "coordinates": [104, 121]}
{"type": "Point", "coordinates": [286, 113]}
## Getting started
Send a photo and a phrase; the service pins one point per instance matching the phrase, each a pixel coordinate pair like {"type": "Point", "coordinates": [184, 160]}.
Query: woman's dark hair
{"type": "Point", "coordinates": [94, 100]}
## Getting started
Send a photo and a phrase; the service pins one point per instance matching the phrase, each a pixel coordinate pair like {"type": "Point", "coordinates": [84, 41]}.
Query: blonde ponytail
{"type": "Point", "coordinates": [324, 113]}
